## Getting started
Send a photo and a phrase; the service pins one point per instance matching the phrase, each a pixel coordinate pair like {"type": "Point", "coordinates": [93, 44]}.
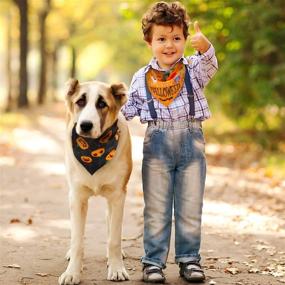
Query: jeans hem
{"type": "Point", "coordinates": [187, 257]}
{"type": "Point", "coordinates": [146, 260]}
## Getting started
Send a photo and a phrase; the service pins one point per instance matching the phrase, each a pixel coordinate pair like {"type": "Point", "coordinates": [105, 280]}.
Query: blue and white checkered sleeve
{"type": "Point", "coordinates": [133, 106]}
{"type": "Point", "coordinates": [204, 65]}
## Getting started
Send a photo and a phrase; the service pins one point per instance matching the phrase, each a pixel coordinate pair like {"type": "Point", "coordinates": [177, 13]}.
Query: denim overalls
{"type": "Point", "coordinates": [173, 174]}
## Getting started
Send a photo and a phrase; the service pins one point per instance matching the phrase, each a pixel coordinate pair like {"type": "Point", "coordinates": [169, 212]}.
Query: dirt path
{"type": "Point", "coordinates": [243, 222]}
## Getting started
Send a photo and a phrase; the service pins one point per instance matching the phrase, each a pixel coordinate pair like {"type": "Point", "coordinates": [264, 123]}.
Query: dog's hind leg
{"type": "Point", "coordinates": [78, 203]}
{"type": "Point", "coordinates": [116, 268]}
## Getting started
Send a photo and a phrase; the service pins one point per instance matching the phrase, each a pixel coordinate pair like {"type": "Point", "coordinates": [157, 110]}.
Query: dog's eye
{"type": "Point", "coordinates": [101, 104]}
{"type": "Point", "coordinates": [82, 101]}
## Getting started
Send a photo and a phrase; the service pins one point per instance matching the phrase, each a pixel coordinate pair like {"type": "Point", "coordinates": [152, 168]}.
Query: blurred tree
{"type": "Point", "coordinates": [74, 52]}
{"type": "Point", "coordinates": [42, 89]}
{"type": "Point", "coordinates": [249, 37]}
{"type": "Point", "coordinates": [9, 103]}
{"type": "Point", "coordinates": [131, 48]}
{"type": "Point", "coordinates": [54, 58]}
{"type": "Point", "coordinates": [24, 47]}
{"type": "Point", "coordinates": [76, 29]}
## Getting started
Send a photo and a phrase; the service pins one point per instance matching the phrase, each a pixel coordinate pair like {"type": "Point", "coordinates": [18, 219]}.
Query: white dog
{"type": "Point", "coordinates": [98, 162]}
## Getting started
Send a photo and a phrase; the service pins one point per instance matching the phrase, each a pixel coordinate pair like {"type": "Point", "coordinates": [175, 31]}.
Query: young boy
{"type": "Point", "coordinates": [167, 94]}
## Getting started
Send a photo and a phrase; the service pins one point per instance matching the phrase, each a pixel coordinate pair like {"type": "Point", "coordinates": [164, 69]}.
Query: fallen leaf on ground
{"type": "Point", "coordinates": [212, 258]}
{"type": "Point", "coordinates": [22, 280]}
{"type": "Point", "coordinates": [277, 274]}
{"type": "Point", "coordinates": [42, 274]}
{"type": "Point", "coordinates": [12, 266]}
{"type": "Point", "coordinates": [261, 247]}
{"type": "Point", "coordinates": [210, 250]}
{"type": "Point", "coordinates": [211, 266]}
{"type": "Point", "coordinates": [30, 221]}
{"type": "Point", "coordinates": [14, 221]}
{"type": "Point", "coordinates": [232, 270]}
{"type": "Point", "coordinates": [253, 270]}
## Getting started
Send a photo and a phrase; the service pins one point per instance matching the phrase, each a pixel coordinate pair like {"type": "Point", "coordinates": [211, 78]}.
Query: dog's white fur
{"type": "Point", "coordinates": [109, 181]}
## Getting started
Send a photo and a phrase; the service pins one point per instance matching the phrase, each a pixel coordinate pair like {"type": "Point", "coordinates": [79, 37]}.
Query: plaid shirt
{"type": "Point", "coordinates": [201, 67]}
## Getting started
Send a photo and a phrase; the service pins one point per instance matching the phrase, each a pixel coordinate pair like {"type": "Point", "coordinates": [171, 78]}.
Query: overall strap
{"type": "Point", "coordinates": [190, 92]}
{"type": "Point", "coordinates": [150, 102]}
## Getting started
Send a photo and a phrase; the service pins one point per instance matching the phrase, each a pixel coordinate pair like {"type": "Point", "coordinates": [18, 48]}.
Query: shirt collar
{"type": "Point", "coordinates": [154, 64]}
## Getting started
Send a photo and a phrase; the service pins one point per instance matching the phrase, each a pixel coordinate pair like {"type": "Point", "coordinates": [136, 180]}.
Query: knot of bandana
{"type": "Point", "coordinates": [166, 86]}
{"type": "Point", "coordinates": [95, 153]}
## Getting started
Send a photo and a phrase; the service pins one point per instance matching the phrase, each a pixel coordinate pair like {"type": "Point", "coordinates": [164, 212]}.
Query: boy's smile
{"type": "Point", "coordinates": [167, 44]}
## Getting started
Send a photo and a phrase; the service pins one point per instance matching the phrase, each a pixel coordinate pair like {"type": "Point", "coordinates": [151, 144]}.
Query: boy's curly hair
{"type": "Point", "coordinates": [165, 14]}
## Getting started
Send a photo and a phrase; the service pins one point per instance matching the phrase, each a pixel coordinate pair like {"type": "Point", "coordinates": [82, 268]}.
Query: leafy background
{"type": "Point", "coordinates": [102, 40]}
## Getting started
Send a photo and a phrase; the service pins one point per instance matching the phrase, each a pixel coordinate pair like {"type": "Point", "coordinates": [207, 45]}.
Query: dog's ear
{"type": "Point", "coordinates": [119, 91]}
{"type": "Point", "coordinates": [72, 86]}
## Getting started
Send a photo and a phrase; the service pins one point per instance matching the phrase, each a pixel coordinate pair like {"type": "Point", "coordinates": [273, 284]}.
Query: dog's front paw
{"type": "Point", "coordinates": [69, 278]}
{"type": "Point", "coordinates": [117, 272]}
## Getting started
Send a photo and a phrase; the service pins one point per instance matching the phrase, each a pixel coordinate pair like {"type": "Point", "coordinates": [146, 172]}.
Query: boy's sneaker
{"type": "Point", "coordinates": [153, 274]}
{"type": "Point", "coordinates": [192, 272]}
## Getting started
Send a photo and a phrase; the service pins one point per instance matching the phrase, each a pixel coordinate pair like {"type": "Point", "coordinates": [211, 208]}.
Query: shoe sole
{"type": "Point", "coordinates": [162, 281]}
{"type": "Point", "coordinates": [193, 279]}
{"type": "Point", "coordinates": [154, 282]}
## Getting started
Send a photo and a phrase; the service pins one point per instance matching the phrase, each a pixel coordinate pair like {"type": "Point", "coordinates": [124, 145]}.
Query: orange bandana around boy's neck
{"type": "Point", "coordinates": [166, 86]}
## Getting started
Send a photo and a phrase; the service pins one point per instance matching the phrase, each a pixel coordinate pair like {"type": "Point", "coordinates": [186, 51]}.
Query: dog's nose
{"type": "Point", "coordinates": [86, 126]}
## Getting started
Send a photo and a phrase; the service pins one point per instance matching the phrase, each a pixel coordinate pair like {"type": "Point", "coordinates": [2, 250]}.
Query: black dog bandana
{"type": "Point", "coordinates": [94, 153]}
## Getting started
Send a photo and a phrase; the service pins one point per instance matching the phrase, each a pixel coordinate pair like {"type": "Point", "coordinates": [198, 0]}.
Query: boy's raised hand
{"type": "Point", "coordinates": [199, 41]}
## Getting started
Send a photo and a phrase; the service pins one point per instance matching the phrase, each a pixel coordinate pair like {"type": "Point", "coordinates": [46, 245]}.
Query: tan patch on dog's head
{"type": "Point", "coordinates": [73, 85]}
{"type": "Point", "coordinates": [115, 97]}
{"type": "Point", "coordinates": [119, 91]}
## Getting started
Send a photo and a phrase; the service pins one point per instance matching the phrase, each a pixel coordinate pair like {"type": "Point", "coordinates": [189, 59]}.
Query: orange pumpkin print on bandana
{"type": "Point", "coordinates": [82, 143]}
{"type": "Point", "coordinates": [111, 154]}
{"type": "Point", "coordinates": [86, 159]}
{"type": "Point", "coordinates": [98, 152]}
{"type": "Point", "coordinates": [165, 91]}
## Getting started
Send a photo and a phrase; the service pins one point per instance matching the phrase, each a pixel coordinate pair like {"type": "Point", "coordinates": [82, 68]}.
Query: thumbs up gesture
{"type": "Point", "coordinates": [198, 41]}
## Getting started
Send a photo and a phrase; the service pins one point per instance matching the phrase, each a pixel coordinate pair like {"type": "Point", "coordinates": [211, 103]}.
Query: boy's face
{"type": "Point", "coordinates": [167, 44]}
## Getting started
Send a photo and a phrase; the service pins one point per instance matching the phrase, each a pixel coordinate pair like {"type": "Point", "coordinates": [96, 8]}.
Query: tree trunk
{"type": "Point", "coordinates": [54, 71]}
{"type": "Point", "coordinates": [24, 47]}
{"type": "Point", "coordinates": [9, 104]}
{"type": "Point", "coordinates": [73, 62]}
{"type": "Point", "coordinates": [43, 54]}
